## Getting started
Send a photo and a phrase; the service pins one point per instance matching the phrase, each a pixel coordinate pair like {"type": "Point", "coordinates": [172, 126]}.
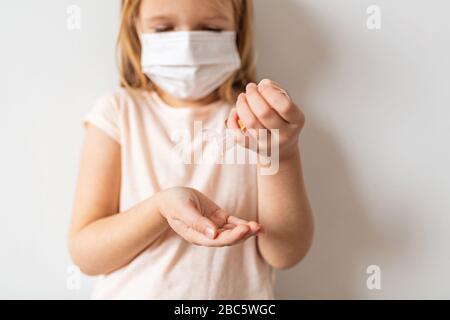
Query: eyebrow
{"type": "Point", "coordinates": [158, 17]}
{"type": "Point", "coordinates": [218, 17]}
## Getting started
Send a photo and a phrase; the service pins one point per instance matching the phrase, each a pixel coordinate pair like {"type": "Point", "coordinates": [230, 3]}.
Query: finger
{"type": "Point", "coordinates": [195, 220]}
{"type": "Point", "coordinates": [274, 84]}
{"type": "Point", "coordinates": [249, 235]}
{"type": "Point", "coordinates": [219, 217]}
{"type": "Point", "coordinates": [254, 226]}
{"type": "Point", "coordinates": [266, 115]}
{"type": "Point", "coordinates": [234, 128]}
{"type": "Point", "coordinates": [230, 237]}
{"type": "Point", "coordinates": [228, 226]}
{"type": "Point", "coordinates": [245, 113]}
{"type": "Point", "coordinates": [224, 238]}
{"type": "Point", "coordinates": [280, 102]}
{"type": "Point", "coordinates": [231, 121]}
{"type": "Point", "coordinates": [249, 121]}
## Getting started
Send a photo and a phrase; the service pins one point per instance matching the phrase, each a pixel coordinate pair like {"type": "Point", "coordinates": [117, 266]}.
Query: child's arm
{"type": "Point", "coordinates": [285, 212]}
{"type": "Point", "coordinates": [283, 206]}
{"type": "Point", "coordinates": [101, 240]}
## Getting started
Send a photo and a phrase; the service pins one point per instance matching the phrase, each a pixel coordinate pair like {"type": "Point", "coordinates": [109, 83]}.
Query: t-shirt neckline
{"type": "Point", "coordinates": [185, 111]}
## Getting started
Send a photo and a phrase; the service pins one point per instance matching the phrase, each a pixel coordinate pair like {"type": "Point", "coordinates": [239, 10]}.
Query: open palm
{"type": "Point", "coordinates": [200, 221]}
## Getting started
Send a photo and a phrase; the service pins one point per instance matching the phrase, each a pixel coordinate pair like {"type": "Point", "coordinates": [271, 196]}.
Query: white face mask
{"type": "Point", "coordinates": [189, 65]}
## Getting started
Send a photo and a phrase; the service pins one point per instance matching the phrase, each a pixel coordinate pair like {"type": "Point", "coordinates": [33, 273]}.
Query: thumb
{"type": "Point", "coordinates": [200, 223]}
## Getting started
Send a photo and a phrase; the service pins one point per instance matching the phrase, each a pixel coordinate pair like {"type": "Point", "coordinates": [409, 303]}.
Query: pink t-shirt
{"type": "Point", "coordinates": [149, 132]}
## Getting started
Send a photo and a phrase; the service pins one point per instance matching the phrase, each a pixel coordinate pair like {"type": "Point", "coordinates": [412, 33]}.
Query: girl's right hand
{"type": "Point", "coordinates": [200, 221]}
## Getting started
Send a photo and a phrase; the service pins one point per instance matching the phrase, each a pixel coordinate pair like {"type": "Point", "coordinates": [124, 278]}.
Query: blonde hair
{"type": "Point", "coordinates": [129, 50]}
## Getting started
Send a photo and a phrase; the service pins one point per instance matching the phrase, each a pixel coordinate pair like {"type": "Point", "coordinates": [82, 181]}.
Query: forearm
{"type": "Point", "coordinates": [285, 214]}
{"type": "Point", "coordinates": [110, 243]}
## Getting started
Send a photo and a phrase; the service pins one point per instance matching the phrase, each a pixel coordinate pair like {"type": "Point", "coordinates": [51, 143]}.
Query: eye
{"type": "Point", "coordinates": [212, 29]}
{"type": "Point", "coordinates": [162, 29]}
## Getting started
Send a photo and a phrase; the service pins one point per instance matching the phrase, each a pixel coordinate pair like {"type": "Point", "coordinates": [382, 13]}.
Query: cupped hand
{"type": "Point", "coordinates": [200, 221]}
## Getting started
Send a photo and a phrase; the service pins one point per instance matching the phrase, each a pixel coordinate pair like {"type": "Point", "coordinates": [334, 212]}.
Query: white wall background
{"type": "Point", "coordinates": [376, 147]}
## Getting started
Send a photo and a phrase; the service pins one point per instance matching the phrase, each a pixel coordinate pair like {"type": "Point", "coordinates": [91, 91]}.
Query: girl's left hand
{"type": "Point", "coordinates": [268, 106]}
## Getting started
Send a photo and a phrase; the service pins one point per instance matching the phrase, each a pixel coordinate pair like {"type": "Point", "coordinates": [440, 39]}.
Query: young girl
{"type": "Point", "coordinates": [153, 228]}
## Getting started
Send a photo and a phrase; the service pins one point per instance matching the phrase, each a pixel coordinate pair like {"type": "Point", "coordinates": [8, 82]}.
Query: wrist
{"type": "Point", "coordinates": [153, 210]}
{"type": "Point", "coordinates": [285, 162]}
{"type": "Point", "coordinates": [159, 202]}
{"type": "Point", "coordinates": [285, 155]}
{"type": "Point", "coordinates": [290, 154]}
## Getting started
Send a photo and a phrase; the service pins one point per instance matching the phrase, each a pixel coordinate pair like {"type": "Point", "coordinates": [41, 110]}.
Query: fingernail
{"type": "Point", "coordinates": [210, 233]}
{"type": "Point", "coordinates": [251, 86]}
{"type": "Point", "coordinates": [263, 84]}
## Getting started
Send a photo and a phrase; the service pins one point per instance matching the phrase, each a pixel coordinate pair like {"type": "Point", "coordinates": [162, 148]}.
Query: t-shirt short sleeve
{"type": "Point", "coordinates": [105, 116]}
